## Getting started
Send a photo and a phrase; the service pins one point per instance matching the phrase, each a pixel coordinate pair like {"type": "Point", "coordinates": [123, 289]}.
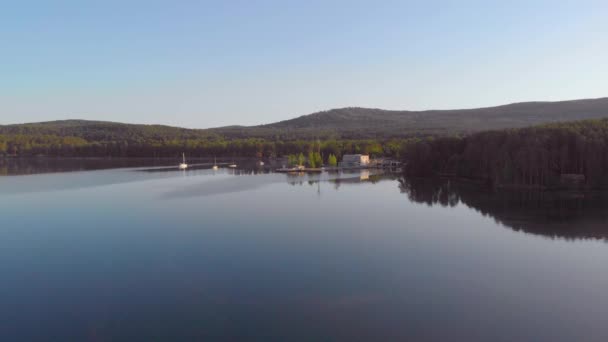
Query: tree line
{"type": "Point", "coordinates": [314, 160]}
{"type": "Point", "coordinates": [529, 157]}
{"type": "Point", "coordinates": [24, 145]}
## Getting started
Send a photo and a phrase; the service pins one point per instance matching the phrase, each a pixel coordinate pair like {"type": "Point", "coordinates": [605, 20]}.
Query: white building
{"type": "Point", "coordinates": [354, 160]}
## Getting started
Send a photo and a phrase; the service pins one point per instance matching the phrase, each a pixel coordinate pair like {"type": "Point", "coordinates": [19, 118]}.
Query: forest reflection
{"type": "Point", "coordinates": [339, 179]}
{"type": "Point", "coordinates": [42, 165]}
{"type": "Point", "coordinates": [563, 215]}
{"type": "Point", "coordinates": [31, 166]}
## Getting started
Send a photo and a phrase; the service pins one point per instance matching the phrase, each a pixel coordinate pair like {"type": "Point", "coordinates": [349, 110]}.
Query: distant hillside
{"type": "Point", "coordinates": [344, 123]}
{"type": "Point", "coordinates": [370, 123]}
{"type": "Point", "coordinates": [338, 131]}
{"type": "Point", "coordinates": [105, 131]}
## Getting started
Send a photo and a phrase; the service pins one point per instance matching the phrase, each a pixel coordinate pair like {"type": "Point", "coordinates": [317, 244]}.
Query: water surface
{"type": "Point", "coordinates": [156, 254]}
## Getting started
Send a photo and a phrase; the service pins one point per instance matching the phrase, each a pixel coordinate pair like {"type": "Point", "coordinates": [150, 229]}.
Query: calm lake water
{"type": "Point", "coordinates": [156, 254]}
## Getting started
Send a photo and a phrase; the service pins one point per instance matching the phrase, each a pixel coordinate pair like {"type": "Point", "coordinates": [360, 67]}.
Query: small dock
{"type": "Point", "coordinates": [299, 170]}
{"type": "Point", "coordinates": [349, 162]}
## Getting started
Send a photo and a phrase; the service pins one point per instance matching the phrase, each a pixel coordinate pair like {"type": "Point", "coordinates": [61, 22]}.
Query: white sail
{"type": "Point", "coordinates": [183, 165]}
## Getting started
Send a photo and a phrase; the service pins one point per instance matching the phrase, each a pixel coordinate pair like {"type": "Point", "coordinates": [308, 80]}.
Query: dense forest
{"type": "Point", "coordinates": [351, 129]}
{"type": "Point", "coordinates": [547, 156]}
{"type": "Point", "coordinates": [76, 138]}
{"type": "Point", "coordinates": [24, 145]}
{"type": "Point", "coordinates": [369, 123]}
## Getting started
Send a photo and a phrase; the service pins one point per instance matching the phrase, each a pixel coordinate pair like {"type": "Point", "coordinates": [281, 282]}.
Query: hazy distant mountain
{"type": "Point", "coordinates": [104, 131]}
{"type": "Point", "coordinates": [372, 122]}
{"type": "Point", "coordinates": [346, 123]}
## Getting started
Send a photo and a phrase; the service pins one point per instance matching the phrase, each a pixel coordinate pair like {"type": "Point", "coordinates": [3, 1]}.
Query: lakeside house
{"type": "Point", "coordinates": [355, 160]}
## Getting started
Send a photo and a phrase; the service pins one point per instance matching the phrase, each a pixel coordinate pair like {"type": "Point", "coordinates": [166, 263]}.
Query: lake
{"type": "Point", "coordinates": [148, 253]}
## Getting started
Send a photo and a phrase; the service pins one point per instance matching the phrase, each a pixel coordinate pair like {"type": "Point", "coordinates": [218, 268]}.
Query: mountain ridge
{"type": "Point", "coordinates": [352, 122]}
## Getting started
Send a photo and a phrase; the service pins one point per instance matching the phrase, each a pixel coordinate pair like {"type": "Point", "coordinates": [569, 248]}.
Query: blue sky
{"type": "Point", "coordinates": [213, 63]}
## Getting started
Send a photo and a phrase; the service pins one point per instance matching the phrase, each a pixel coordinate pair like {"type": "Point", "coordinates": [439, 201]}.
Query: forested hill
{"type": "Point", "coordinates": [345, 123]}
{"type": "Point", "coordinates": [347, 130]}
{"type": "Point", "coordinates": [371, 123]}
{"type": "Point", "coordinates": [105, 131]}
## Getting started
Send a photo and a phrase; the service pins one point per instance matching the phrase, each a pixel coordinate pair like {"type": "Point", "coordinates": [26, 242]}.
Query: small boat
{"type": "Point", "coordinates": [260, 163]}
{"type": "Point", "coordinates": [183, 165]}
{"type": "Point", "coordinates": [215, 167]}
{"type": "Point", "coordinates": [233, 165]}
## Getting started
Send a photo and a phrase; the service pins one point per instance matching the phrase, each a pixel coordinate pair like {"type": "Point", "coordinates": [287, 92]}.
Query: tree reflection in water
{"type": "Point", "coordinates": [551, 214]}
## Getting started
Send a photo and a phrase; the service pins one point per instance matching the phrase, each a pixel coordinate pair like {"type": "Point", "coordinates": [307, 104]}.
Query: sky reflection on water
{"type": "Point", "coordinates": [130, 255]}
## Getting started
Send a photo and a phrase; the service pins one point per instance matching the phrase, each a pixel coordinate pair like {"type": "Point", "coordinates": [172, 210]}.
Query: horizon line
{"type": "Point", "coordinates": [305, 115]}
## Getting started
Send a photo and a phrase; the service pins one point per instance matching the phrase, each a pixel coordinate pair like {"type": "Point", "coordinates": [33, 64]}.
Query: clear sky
{"type": "Point", "coordinates": [212, 63]}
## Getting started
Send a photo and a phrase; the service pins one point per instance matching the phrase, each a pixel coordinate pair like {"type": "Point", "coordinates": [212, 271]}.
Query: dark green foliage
{"type": "Point", "coordinates": [292, 160]}
{"type": "Point", "coordinates": [532, 157]}
{"type": "Point", "coordinates": [337, 124]}
{"type": "Point", "coordinates": [340, 131]}
{"type": "Point", "coordinates": [316, 156]}
{"type": "Point", "coordinates": [102, 139]}
{"type": "Point", "coordinates": [312, 161]}
{"type": "Point", "coordinates": [368, 123]}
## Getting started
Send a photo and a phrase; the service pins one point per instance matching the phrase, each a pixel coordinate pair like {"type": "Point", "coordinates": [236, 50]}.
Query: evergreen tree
{"type": "Point", "coordinates": [318, 159]}
{"type": "Point", "coordinates": [301, 159]}
{"type": "Point", "coordinates": [312, 161]}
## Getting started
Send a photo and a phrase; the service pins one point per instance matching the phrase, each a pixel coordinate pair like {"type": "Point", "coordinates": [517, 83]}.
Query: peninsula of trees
{"type": "Point", "coordinates": [537, 157]}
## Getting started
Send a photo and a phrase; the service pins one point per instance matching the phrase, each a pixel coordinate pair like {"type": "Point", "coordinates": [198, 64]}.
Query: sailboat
{"type": "Point", "coordinates": [233, 165]}
{"type": "Point", "coordinates": [215, 167]}
{"type": "Point", "coordinates": [183, 164]}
